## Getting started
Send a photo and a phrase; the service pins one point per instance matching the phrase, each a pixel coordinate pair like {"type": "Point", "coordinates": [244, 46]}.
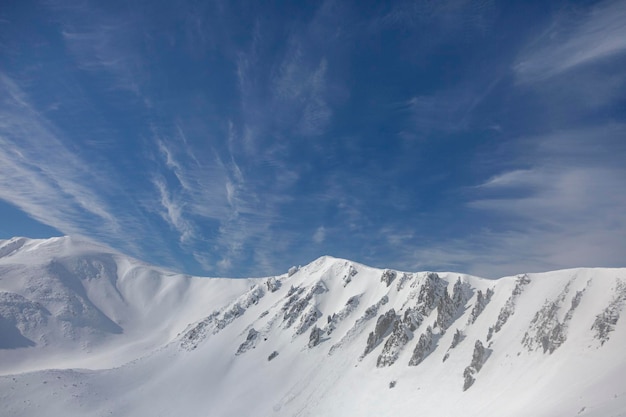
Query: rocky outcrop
{"type": "Point", "coordinates": [424, 347]}
{"type": "Point", "coordinates": [336, 318]}
{"type": "Point", "coordinates": [296, 305]}
{"type": "Point", "coordinates": [509, 307]}
{"type": "Point", "coordinates": [479, 357]}
{"type": "Point", "coordinates": [605, 322]}
{"type": "Point", "coordinates": [359, 324]}
{"type": "Point", "coordinates": [347, 278]}
{"type": "Point", "coordinates": [388, 276]}
{"type": "Point", "coordinates": [315, 337]}
{"type": "Point", "coordinates": [545, 330]}
{"type": "Point", "coordinates": [400, 336]}
{"type": "Point", "coordinates": [481, 302]}
{"type": "Point", "coordinates": [272, 284]}
{"type": "Point", "coordinates": [403, 280]}
{"type": "Point", "coordinates": [383, 328]}
{"type": "Point", "coordinates": [249, 343]}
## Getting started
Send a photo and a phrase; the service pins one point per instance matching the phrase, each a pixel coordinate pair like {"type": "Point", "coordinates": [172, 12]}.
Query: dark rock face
{"type": "Point", "coordinates": [423, 348]}
{"type": "Point", "coordinates": [272, 355]}
{"type": "Point", "coordinates": [605, 322]}
{"type": "Point", "coordinates": [400, 336]}
{"type": "Point", "coordinates": [360, 323]}
{"type": "Point", "coordinates": [296, 305]}
{"type": "Point", "coordinates": [450, 308]}
{"type": "Point", "coordinates": [545, 330]}
{"type": "Point", "coordinates": [509, 307]}
{"type": "Point", "coordinates": [249, 343]}
{"type": "Point", "coordinates": [315, 337]}
{"type": "Point", "coordinates": [336, 318]}
{"type": "Point", "coordinates": [384, 325]}
{"type": "Point", "coordinates": [479, 306]}
{"type": "Point", "coordinates": [388, 277]}
{"type": "Point", "coordinates": [351, 274]}
{"type": "Point", "coordinates": [479, 357]}
{"type": "Point", "coordinates": [456, 339]}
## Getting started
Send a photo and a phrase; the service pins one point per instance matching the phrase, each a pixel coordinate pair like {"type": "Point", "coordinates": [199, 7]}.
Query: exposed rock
{"type": "Point", "coordinates": [358, 326]}
{"type": "Point", "coordinates": [479, 357]}
{"type": "Point", "coordinates": [545, 329]}
{"type": "Point", "coordinates": [430, 293]}
{"type": "Point", "coordinates": [192, 337]}
{"type": "Point", "coordinates": [384, 325]}
{"type": "Point", "coordinates": [388, 276]}
{"type": "Point", "coordinates": [273, 284]}
{"type": "Point", "coordinates": [308, 318]}
{"type": "Point", "coordinates": [605, 322]}
{"type": "Point", "coordinates": [403, 280]}
{"type": "Point", "coordinates": [348, 277]}
{"type": "Point", "coordinates": [249, 342]}
{"type": "Point", "coordinates": [479, 305]}
{"type": "Point", "coordinates": [400, 336]}
{"type": "Point", "coordinates": [509, 307]}
{"type": "Point", "coordinates": [332, 321]}
{"type": "Point", "coordinates": [293, 270]}
{"type": "Point", "coordinates": [252, 297]}
{"type": "Point", "coordinates": [229, 316]}
{"type": "Point", "coordinates": [412, 318]}
{"type": "Point", "coordinates": [272, 355]}
{"type": "Point", "coordinates": [456, 339]}
{"type": "Point", "coordinates": [423, 348]}
{"type": "Point", "coordinates": [315, 337]}
{"type": "Point", "coordinates": [295, 305]}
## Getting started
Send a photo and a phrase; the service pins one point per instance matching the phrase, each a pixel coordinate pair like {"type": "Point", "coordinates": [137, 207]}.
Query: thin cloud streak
{"type": "Point", "coordinates": [573, 42]}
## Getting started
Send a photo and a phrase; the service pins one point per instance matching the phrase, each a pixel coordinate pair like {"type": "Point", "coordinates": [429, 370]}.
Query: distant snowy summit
{"type": "Point", "coordinates": [330, 338]}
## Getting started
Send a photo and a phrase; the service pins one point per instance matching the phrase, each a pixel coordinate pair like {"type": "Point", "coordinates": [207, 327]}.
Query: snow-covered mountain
{"type": "Point", "coordinates": [87, 331]}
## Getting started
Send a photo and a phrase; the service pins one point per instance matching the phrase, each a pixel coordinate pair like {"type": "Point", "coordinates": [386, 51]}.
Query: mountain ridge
{"type": "Point", "coordinates": [315, 333]}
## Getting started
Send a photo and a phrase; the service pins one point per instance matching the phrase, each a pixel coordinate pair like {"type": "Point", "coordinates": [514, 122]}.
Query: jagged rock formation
{"type": "Point", "coordinates": [545, 329]}
{"type": "Point", "coordinates": [383, 328]}
{"type": "Point", "coordinates": [450, 308]}
{"type": "Point", "coordinates": [358, 326]}
{"type": "Point", "coordinates": [351, 274]}
{"type": "Point", "coordinates": [424, 347]}
{"type": "Point", "coordinates": [336, 318]}
{"type": "Point", "coordinates": [509, 307]}
{"type": "Point", "coordinates": [295, 306]}
{"type": "Point", "coordinates": [479, 357]}
{"type": "Point", "coordinates": [388, 276]}
{"type": "Point", "coordinates": [605, 322]}
{"type": "Point", "coordinates": [400, 336]}
{"type": "Point", "coordinates": [249, 342]}
{"type": "Point", "coordinates": [315, 337]}
{"type": "Point", "coordinates": [192, 337]}
{"type": "Point", "coordinates": [456, 339]}
{"type": "Point", "coordinates": [479, 305]}
{"type": "Point", "coordinates": [403, 280]}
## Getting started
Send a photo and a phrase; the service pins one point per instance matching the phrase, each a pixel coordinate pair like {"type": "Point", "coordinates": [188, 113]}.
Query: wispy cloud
{"type": "Point", "coordinates": [575, 40]}
{"type": "Point", "coordinates": [566, 208]}
{"type": "Point", "coordinates": [42, 176]}
{"type": "Point", "coordinates": [320, 235]}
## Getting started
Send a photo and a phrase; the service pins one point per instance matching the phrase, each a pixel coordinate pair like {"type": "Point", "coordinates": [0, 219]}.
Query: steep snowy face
{"type": "Point", "coordinates": [330, 338]}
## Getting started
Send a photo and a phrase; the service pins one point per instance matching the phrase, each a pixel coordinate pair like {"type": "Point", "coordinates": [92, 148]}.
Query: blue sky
{"type": "Point", "coordinates": [230, 138]}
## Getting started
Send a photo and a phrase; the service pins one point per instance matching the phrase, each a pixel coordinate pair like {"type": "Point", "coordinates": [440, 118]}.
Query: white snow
{"type": "Point", "coordinates": [87, 331]}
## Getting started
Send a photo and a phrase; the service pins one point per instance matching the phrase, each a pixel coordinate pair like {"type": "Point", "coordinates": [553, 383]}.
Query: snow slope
{"type": "Point", "coordinates": [87, 331]}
